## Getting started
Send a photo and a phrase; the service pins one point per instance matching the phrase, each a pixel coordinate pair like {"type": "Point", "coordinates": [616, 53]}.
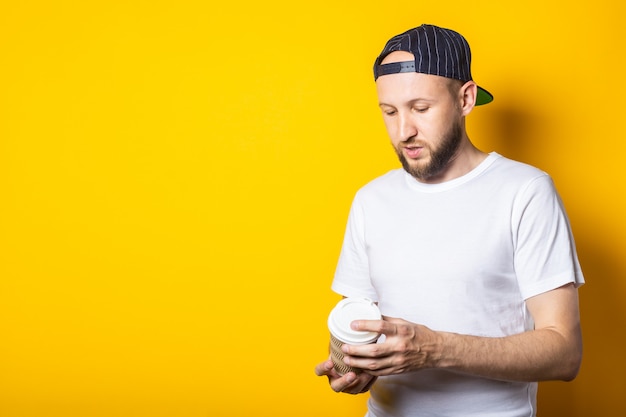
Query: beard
{"type": "Point", "coordinates": [439, 156]}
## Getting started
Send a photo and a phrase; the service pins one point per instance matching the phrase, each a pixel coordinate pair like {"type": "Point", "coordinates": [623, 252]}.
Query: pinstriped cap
{"type": "Point", "coordinates": [437, 51]}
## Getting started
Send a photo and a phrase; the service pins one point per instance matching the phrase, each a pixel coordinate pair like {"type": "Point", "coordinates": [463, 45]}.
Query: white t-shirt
{"type": "Point", "coordinates": [460, 256]}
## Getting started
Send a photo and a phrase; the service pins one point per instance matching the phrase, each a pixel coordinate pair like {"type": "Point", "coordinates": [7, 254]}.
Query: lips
{"type": "Point", "coordinates": [413, 152]}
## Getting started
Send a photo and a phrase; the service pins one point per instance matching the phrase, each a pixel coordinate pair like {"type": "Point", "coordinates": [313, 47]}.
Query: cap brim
{"type": "Point", "coordinates": [483, 96]}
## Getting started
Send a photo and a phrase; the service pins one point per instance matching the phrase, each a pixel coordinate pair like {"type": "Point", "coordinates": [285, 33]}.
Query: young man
{"type": "Point", "coordinates": [469, 255]}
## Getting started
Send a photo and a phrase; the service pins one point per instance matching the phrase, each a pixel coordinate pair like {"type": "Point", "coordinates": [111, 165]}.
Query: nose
{"type": "Point", "coordinates": [407, 128]}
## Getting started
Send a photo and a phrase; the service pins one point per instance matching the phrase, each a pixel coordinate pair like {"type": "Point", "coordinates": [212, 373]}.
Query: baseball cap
{"type": "Point", "coordinates": [437, 51]}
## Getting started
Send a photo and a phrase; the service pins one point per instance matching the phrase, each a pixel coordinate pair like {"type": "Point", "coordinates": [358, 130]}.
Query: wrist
{"type": "Point", "coordinates": [446, 356]}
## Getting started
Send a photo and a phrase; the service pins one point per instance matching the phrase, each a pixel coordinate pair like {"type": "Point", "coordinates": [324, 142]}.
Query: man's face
{"type": "Point", "coordinates": [423, 119]}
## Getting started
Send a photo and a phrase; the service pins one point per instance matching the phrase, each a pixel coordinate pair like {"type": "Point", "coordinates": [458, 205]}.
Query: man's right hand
{"type": "Point", "coordinates": [350, 383]}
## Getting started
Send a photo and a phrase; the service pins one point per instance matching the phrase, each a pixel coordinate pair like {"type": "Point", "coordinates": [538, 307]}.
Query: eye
{"type": "Point", "coordinates": [421, 109]}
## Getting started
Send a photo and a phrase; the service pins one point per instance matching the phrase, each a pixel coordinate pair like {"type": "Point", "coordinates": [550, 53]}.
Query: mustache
{"type": "Point", "coordinates": [413, 142]}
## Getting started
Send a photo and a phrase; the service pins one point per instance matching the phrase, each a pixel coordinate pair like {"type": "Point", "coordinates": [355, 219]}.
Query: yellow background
{"type": "Point", "coordinates": [175, 178]}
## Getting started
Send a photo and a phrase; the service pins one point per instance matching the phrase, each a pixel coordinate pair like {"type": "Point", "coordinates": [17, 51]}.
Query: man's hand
{"type": "Point", "coordinates": [350, 383]}
{"type": "Point", "coordinates": [407, 347]}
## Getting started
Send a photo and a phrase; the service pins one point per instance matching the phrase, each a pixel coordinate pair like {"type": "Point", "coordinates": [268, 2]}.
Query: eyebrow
{"type": "Point", "coordinates": [410, 102]}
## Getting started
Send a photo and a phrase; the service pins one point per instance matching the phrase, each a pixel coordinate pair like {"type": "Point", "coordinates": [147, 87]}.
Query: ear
{"type": "Point", "coordinates": [467, 96]}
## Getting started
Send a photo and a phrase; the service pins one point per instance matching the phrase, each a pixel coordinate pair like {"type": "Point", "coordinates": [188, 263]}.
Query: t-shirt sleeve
{"type": "Point", "coordinates": [352, 276]}
{"type": "Point", "coordinates": [545, 252]}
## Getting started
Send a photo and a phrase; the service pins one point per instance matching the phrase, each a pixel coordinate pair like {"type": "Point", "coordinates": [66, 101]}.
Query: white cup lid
{"type": "Point", "coordinates": [348, 310]}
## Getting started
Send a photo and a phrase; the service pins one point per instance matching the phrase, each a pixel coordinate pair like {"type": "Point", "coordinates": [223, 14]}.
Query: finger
{"type": "Point", "coordinates": [387, 327]}
{"type": "Point", "coordinates": [368, 325]}
{"type": "Point", "coordinates": [361, 383]}
{"type": "Point", "coordinates": [324, 368]}
{"type": "Point", "coordinates": [391, 325]}
{"type": "Point", "coordinates": [349, 383]}
{"type": "Point", "coordinates": [343, 383]}
{"type": "Point", "coordinates": [354, 355]}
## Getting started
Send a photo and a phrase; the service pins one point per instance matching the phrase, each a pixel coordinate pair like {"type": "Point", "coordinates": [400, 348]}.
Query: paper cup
{"type": "Point", "coordinates": [344, 313]}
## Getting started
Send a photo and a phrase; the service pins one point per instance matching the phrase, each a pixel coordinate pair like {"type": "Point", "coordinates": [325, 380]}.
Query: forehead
{"type": "Point", "coordinates": [408, 87]}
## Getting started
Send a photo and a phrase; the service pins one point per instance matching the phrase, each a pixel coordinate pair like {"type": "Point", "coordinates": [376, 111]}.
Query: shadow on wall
{"type": "Point", "coordinates": [515, 134]}
{"type": "Point", "coordinates": [599, 387]}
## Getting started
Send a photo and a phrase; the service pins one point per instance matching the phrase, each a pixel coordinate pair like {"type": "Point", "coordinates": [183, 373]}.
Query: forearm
{"type": "Point", "coordinates": [538, 355]}
{"type": "Point", "coordinates": [552, 351]}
